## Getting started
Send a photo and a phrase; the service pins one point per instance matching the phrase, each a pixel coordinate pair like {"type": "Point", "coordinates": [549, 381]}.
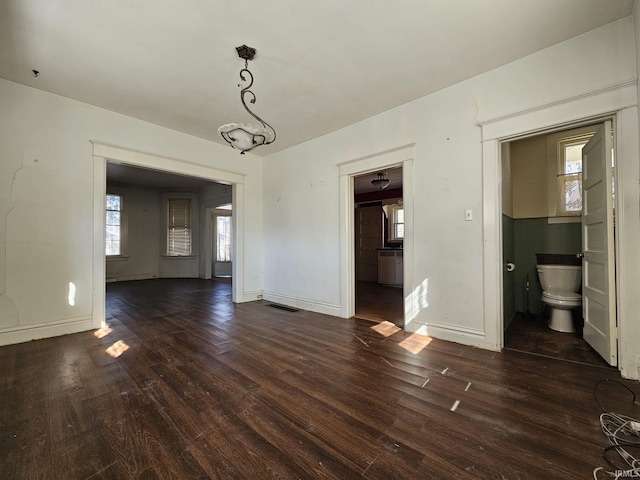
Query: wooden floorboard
{"type": "Point", "coordinates": [184, 384]}
{"type": "Point", "coordinates": [531, 334]}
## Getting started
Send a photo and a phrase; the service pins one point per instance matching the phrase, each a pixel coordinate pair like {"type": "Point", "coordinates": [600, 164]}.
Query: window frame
{"type": "Point", "coordinates": [555, 170]}
{"type": "Point", "coordinates": [193, 206]}
{"type": "Point", "coordinates": [227, 214]}
{"type": "Point", "coordinates": [393, 223]}
{"type": "Point", "coordinates": [562, 209]}
{"type": "Point", "coordinates": [124, 230]}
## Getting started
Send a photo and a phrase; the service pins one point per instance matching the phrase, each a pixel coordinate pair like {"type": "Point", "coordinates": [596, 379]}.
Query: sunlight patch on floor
{"type": "Point", "coordinates": [117, 349]}
{"type": "Point", "coordinates": [415, 343]}
{"type": "Point", "coordinates": [103, 332]}
{"type": "Point", "coordinates": [386, 329]}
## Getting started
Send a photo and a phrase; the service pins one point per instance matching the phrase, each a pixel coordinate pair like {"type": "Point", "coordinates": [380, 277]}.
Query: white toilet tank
{"type": "Point", "coordinates": [560, 277]}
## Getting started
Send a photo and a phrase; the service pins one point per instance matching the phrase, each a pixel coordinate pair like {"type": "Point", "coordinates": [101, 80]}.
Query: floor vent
{"type": "Point", "coordinates": [282, 307]}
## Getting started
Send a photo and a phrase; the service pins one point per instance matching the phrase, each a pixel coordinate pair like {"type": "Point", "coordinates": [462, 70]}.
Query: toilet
{"type": "Point", "coordinates": [560, 284]}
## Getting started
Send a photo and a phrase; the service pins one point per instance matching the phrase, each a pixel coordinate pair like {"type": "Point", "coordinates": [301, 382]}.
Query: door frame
{"type": "Point", "coordinates": [103, 152]}
{"type": "Point", "coordinates": [398, 157]}
{"type": "Point", "coordinates": [618, 103]}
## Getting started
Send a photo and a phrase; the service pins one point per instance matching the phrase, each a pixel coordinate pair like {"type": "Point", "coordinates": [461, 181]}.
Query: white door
{"type": "Point", "coordinates": [598, 267]}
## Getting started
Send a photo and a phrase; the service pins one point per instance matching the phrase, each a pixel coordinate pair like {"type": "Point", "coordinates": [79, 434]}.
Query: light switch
{"type": "Point", "coordinates": [468, 215]}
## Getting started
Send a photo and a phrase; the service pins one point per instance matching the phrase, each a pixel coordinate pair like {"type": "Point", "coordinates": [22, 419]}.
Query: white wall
{"type": "Point", "coordinates": [46, 198]}
{"type": "Point", "coordinates": [46, 164]}
{"type": "Point", "coordinates": [301, 193]}
{"type": "Point", "coordinates": [141, 253]}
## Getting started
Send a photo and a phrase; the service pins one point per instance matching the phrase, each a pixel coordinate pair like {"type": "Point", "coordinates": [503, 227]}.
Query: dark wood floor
{"type": "Point", "coordinates": [184, 384]}
{"type": "Point", "coordinates": [532, 334]}
{"type": "Point", "coordinates": [379, 303]}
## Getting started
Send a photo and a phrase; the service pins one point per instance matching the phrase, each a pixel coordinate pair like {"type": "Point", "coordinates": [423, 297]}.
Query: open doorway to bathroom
{"type": "Point", "coordinates": [541, 214]}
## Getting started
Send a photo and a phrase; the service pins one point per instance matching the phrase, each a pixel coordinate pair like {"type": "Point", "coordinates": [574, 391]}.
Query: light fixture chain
{"type": "Point", "coordinates": [246, 91]}
{"type": "Point", "coordinates": [246, 137]}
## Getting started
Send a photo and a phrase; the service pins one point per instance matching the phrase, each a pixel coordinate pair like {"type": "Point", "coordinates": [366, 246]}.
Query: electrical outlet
{"type": "Point", "coordinates": [468, 215]}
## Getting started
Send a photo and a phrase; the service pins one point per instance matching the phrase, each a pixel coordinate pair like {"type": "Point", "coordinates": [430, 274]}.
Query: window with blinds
{"type": "Point", "coordinates": [179, 238]}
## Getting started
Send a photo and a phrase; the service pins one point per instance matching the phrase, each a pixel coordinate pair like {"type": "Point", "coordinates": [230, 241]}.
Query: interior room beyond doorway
{"type": "Point", "coordinates": [379, 238]}
{"type": "Point", "coordinates": [541, 213]}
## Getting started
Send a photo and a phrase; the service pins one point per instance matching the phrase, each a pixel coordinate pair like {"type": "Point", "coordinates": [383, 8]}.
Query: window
{"type": "Point", "coordinates": [179, 232]}
{"type": "Point", "coordinates": [570, 175]}
{"type": "Point", "coordinates": [396, 216]}
{"type": "Point", "coordinates": [113, 233]}
{"type": "Point", "coordinates": [398, 223]}
{"type": "Point", "coordinates": [223, 239]}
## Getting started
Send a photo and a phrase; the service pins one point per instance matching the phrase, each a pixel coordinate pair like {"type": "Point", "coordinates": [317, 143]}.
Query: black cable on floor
{"type": "Point", "coordinates": [623, 433]}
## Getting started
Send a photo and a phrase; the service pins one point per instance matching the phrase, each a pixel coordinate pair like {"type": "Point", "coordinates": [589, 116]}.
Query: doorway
{"type": "Point", "coordinates": [104, 153]}
{"type": "Point", "coordinates": [542, 214]}
{"type": "Point", "coordinates": [349, 171]}
{"type": "Point", "coordinates": [379, 236]}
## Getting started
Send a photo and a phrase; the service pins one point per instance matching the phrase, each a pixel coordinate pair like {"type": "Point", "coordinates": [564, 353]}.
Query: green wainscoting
{"type": "Point", "coordinates": [508, 278]}
{"type": "Point", "coordinates": [531, 236]}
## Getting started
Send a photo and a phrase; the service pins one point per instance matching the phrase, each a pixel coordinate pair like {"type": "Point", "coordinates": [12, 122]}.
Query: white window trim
{"type": "Point", "coordinates": [390, 210]}
{"type": "Point", "coordinates": [222, 212]}
{"type": "Point", "coordinates": [555, 166]}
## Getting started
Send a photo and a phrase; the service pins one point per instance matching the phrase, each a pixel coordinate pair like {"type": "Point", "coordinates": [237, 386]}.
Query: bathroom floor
{"type": "Point", "coordinates": [532, 335]}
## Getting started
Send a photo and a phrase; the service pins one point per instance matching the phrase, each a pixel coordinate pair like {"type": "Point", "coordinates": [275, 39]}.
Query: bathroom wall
{"type": "Point", "coordinates": [508, 278]}
{"type": "Point", "coordinates": [508, 252]}
{"type": "Point", "coordinates": [537, 235]}
{"type": "Point", "coordinates": [532, 161]}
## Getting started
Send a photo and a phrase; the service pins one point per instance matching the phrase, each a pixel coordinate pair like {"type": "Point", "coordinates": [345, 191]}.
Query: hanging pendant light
{"type": "Point", "coordinates": [242, 136]}
{"type": "Point", "coordinates": [380, 182]}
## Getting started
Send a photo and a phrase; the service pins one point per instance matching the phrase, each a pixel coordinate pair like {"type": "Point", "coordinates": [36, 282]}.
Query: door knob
{"type": "Point", "coordinates": [579, 254]}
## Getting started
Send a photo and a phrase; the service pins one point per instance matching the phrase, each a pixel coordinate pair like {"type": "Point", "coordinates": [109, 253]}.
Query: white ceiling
{"type": "Point", "coordinates": [319, 66]}
{"type": "Point", "coordinates": [362, 183]}
{"type": "Point", "coordinates": [120, 174]}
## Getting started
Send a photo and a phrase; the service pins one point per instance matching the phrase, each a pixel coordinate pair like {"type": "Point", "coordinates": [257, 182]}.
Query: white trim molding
{"type": "Point", "coordinates": [103, 152]}
{"type": "Point", "coordinates": [303, 303]}
{"type": "Point", "coordinates": [562, 112]}
{"type": "Point", "coordinates": [618, 102]}
{"type": "Point", "coordinates": [26, 333]}
{"type": "Point", "coordinates": [453, 333]}
{"type": "Point", "coordinates": [398, 157]}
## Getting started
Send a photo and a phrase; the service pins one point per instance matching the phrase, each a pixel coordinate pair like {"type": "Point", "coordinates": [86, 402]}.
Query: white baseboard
{"type": "Point", "coordinates": [452, 333]}
{"type": "Point", "coordinates": [26, 333]}
{"type": "Point", "coordinates": [303, 303]}
{"type": "Point", "coordinates": [250, 296]}
{"type": "Point", "coordinates": [135, 276]}
{"type": "Point", "coordinates": [178, 275]}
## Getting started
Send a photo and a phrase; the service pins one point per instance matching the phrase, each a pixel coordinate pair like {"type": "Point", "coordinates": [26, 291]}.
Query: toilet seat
{"type": "Point", "coordinates": [562, 295]}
